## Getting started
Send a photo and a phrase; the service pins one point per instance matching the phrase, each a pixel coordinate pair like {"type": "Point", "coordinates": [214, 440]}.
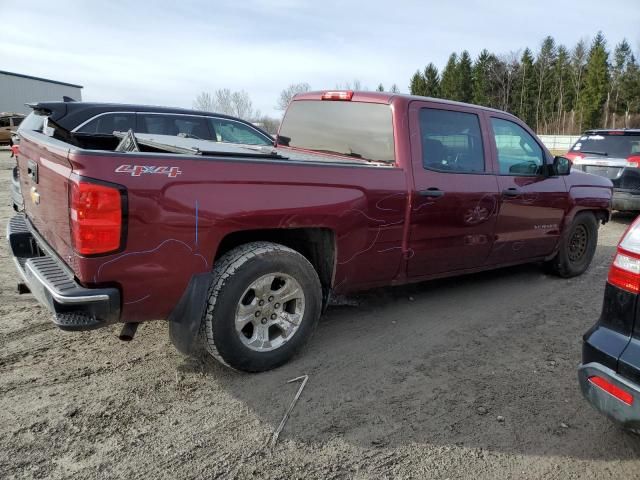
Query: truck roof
{"type": "Point", "coordinates": [388, 97]}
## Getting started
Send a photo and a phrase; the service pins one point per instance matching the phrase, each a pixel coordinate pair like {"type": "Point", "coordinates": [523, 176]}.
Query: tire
{"type": "Point", "coordinates": [247, 335]}
{"type": "Point", "coordinates": [577, 247]}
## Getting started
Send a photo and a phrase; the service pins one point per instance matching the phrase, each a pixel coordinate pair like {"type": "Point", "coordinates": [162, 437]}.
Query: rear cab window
{"type": "Point", "coordinates": [353, 129]}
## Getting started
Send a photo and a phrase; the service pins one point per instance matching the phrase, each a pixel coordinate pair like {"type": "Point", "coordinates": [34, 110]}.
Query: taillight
{"type": "Point", "coordinates": [633, 161]}
{"type": "Point", "coordinates": [339, 95]}
{"type": "Point", "coordinates": [625, 269]}
{"type": "Point", "coordinates": [573, 156]}
{"type": "Point", "coordinates": [96, 218]}
{"type": "Point", "coordinates": [15, 149]}
{"type": "Point", "coordinates": [610, 388]}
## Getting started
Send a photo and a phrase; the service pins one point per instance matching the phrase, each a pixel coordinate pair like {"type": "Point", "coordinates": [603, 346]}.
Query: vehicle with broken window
{"type": "Point", "coordinates": [240, 247]}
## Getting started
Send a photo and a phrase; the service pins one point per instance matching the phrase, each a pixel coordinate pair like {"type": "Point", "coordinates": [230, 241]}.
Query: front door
{"type": "Point", "coordinates": [455, 202]}
{"type": "Point", "coordinates": [532, 204]}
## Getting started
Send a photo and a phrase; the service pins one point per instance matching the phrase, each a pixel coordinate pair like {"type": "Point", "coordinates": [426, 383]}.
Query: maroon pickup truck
{"type": "Point", "coordinates": [241, 247]}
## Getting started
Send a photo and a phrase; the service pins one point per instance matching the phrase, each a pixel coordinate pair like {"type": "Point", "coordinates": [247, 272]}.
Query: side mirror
{"type": "Point", "coordinates": [561, 166]}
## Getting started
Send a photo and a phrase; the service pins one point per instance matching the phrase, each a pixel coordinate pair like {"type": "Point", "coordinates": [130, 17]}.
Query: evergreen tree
{"type": "Point", "coordinates": [481, 74]}
{"type": "Point", "coordinates": [449, 80]}
{"type": "Point", "coordinates": [432, 81]}
{"type": "Point", "coordinates": [380, 88]}
{"type": "Point", "coordinates": [543, 65]}
{"type": "Point", "coordinates": [577, 67]}
{"type": "Point", "coordinates": [560, 94]}
{"type": "Point", "coordinates": [526, 89]}
{"type": "Point", "coordinates": [394, 89]}
{"type": "Point", "coordinates": [417, 86]}
{"type": "Point", "coordinates": [596, 83]}
{"type": "Point", "coordinates": [464, 78]}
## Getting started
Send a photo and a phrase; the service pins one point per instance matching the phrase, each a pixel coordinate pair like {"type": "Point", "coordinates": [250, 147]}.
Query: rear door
{"type": "Point", "coordinates": [532, 205]}
{"type": "Point", "coordinates": [455, 201]}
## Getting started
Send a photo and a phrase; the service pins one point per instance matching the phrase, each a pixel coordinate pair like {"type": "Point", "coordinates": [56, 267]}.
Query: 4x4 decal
{"type": "Point", "coordinates": [138, 170]}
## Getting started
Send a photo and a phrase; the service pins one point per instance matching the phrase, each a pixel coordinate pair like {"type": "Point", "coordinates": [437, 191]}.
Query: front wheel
{"type": "Point", "coordinates": [577, 247]}
{"type": "Point", "coordinates": [263, 305]}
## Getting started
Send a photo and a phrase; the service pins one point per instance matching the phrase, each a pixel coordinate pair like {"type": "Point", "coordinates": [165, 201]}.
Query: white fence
{"type": "Point", "coordinates": [559, 142]}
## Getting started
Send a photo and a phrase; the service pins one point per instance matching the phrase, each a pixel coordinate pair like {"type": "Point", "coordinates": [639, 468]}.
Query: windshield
{"type": "Point", "coordinates": [33, 121]}
{"type": "Point", "coordinates": [618, 146]}
{"type": "Point", "coordinates": [354, 129]}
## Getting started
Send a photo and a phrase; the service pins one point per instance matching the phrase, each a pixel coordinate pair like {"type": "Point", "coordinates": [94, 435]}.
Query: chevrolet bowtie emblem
{"type": "Point", "coordinates": [35, 196]}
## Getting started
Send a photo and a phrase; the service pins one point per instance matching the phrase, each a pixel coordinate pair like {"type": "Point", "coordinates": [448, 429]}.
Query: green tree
{"type": "Point", "coordinates": [526, 88]}
{"type": "Point", "coordinates": [432, 81]}
{"type": "Point", "coordinates": [394, 89]}
{"type": "Point", "coordinates": [543, 65]}
{"type": "Point", "coordinates": [417, 85]}
{"type": "Point", "coordinates": [596, 82]}
{"type": "Point", "coordinates": [465, 79]}
{"type": "Point", "coordinates": [577, 68]}
{"type": "Point", "coordinates": [481, 74]}
{"type": "Point", "coordinates": [449, 80]}
{"type": "Point", "coordinates": [561, 98]}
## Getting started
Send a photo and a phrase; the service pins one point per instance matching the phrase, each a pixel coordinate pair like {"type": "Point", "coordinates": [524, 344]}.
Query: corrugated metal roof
{"type": "Point", "coordinates": [40, 79]}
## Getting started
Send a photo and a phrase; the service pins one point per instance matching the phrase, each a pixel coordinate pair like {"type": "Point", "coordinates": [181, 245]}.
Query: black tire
{"type": "Point", "coordinates": [233, 273]}
{"type": "Point", "coordinates": [577, 247]}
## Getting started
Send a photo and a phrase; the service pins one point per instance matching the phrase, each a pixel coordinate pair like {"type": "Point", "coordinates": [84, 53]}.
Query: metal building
{"type": "Point", "coordinates": [17, 89]}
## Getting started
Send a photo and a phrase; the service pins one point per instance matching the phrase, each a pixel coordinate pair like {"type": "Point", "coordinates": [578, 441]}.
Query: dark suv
{"type": "Point", "coordinates": [610, 372]}
{"type": "Point", "coordinates": [614, 154]}
{"type": "Point", "coordinates": [76, 122]}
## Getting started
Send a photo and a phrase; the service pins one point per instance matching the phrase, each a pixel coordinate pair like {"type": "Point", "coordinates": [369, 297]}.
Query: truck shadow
{"type": "Point", "coordinates": [483, 361]}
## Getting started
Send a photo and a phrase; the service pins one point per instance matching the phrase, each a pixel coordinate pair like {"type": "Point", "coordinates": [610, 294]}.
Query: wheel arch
{"type": "Point", "coordinates": [318, 245]}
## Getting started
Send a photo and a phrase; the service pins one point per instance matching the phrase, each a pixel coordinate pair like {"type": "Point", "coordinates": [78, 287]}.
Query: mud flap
{"type": "Point", "coordinates": [185, 319]}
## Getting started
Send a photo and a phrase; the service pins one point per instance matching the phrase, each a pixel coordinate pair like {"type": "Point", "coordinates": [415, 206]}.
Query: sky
{"type": "Point", "coordinates": [166, 52]}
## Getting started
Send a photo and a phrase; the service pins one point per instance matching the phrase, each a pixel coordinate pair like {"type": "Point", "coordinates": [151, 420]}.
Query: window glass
{"type": "Point", "coordinates": [451, 141]}
{"type": "Point", "coordinates": [354, 129]}
{"type": "Point", "coordinates": [4, 122]}
{"type": "Point", "coordinates": [236, 132]}
{"type": "Point", "coordinates": [518, 152]}
{"type": "Point", "coordinates": [185, 125]}
{"type": "Point", "coordinates": [109, 123]}
{"type": "Point", "coordinates": [17, 121]}
{"type": "Point", "coordinates": [34, 121]}
{"type": "Point", "coordinates": [604, 144]}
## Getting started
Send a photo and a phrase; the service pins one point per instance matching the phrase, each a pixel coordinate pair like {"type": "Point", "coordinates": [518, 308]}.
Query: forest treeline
{"type": "Point", "coordinates": [556, 90]}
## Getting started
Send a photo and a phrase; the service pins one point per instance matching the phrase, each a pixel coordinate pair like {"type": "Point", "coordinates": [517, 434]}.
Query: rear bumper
{"type": "Point", "coordinates": [627, 415]}
{"type": "Point", "coordinates": [74, 307]}
{"type": "Point", "coordinates": [625, 200]}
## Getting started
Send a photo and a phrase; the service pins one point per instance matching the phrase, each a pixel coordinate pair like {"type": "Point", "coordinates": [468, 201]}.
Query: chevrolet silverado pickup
{"type": "Point", "coordinates": [241, 247]}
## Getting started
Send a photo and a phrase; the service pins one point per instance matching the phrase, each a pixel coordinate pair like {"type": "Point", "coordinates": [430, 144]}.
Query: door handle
{"type": "Point", "coordinates": [431, 192]}
{"type": "Point", "coordinates": [511, 192]}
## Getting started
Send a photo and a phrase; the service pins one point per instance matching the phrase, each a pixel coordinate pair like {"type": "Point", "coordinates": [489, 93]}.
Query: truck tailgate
{"type": "Point", "coordinates": [44, 171]}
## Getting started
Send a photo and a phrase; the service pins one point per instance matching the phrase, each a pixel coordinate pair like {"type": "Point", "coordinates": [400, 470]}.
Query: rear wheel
{"type": "Point", "coordinates": [577, 248]}
{"type": "Point", "coordinates": [263, 306]}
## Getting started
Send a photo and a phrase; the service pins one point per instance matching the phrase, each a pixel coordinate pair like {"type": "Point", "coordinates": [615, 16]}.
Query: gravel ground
{"type": "Point", "coordinates": [469, 377]}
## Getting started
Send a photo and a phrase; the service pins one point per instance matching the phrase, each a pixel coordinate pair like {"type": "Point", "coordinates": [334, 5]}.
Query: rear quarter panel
{"type": "Point", "coordinates": [175, 225]}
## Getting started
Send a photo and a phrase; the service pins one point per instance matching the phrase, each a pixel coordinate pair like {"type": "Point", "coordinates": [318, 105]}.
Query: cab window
{"type": "Point", "coordinates": [109, 123]}
{"type": "Point", "coordinates": [235, 132]}
{"type": "Point", "coordinates": [518, 152]}
{"type": "Point", "coordinates": [451, 141]}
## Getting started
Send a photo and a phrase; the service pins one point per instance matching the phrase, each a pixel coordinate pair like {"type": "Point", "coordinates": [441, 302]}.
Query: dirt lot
{"type": "Point", "coordinates": [467, 378]}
